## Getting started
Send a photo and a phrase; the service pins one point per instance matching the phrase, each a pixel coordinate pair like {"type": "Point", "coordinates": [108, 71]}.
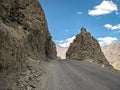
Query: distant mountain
{"type": "Point", "coordinates": [112, 53]}
{"type": "Point", "coordinates": [61, 51]}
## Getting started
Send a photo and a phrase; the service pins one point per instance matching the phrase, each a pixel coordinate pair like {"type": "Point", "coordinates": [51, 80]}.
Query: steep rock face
{"type": "Point", "coordinates": [86, 47]}
{"type": "Point", "coordinates": [24, 37]}
{"type": "Point", "coordinates": [23, 32]}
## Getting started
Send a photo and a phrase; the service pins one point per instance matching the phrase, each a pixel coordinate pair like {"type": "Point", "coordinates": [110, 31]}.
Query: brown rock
{"type": "Point", "coordinates": [86, 47]}
{"type": "Point", "coordinates": [23, 34]}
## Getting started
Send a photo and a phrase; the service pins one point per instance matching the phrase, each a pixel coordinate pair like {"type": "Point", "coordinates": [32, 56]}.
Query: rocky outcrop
{"type": "Point", "coordinates": [23, 32]}
{"type": "Point", "coordinates": [24, 35]}
{"type": "Point", "coordinates": [86, 47]}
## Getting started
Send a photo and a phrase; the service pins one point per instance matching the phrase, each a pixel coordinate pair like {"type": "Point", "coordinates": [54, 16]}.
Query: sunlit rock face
{"type": "Point", "coordinates": [86, 47]}
{"type": "Point", "coordinates": [112, 53]}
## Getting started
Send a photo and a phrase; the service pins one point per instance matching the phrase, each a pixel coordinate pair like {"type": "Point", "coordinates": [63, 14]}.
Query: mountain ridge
{"type": "Point", "coordinates": [112, 53]}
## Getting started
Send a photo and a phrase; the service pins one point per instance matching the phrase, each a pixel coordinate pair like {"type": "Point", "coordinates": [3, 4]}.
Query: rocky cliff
{"type": "Point", "coordinates": [24, 36]}
{"type": "Point", "coordinates": [86, 47]}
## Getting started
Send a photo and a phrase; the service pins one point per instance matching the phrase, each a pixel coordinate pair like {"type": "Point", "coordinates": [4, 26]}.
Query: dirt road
{"type": "Point", "coordinates": [74, 75]}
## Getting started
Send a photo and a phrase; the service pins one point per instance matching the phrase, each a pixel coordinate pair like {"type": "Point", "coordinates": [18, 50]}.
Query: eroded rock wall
{"type": "Point", "coordinates": [23, 32]}
{"type": "Point", "coordinates": [24, 40]}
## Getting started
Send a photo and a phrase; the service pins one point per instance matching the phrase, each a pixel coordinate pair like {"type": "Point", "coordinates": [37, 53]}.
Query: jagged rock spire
{"type": "Point", "coordinates": [86, 47]}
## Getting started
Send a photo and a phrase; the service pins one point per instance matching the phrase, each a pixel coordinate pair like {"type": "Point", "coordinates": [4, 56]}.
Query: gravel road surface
{"type": "Point", "coordinates": [75, 75]}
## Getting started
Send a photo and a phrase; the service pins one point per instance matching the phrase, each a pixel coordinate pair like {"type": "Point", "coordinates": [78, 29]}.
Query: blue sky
{"type": "Point", "coordinates": [66, 17]}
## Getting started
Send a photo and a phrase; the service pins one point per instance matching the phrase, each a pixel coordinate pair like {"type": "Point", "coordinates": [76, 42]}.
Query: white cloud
{"type": "Point", "coordinates": [60, 41]}
{"type": "Point", "coordinates": [106, 40]}
{"type": "Point", "coordinates": [79, 13]}
{"type": "Point", "coordinates": [109, 26]}
{"type": "Point", "coordinates": [66, 42]}
{"type": "Point", "coordinates": [105, 7]}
